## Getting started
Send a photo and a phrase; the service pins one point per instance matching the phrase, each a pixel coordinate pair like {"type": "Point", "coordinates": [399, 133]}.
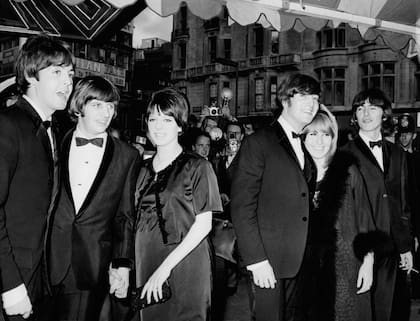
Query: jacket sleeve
{"type": "Point", "coordinates": [124, 221]}
{"type": "Point", "coordinates": [9, 272]}
{"type": "Point", "coordinates": [368, 238]}
{"type": "Point", "coordinates": [245, 189]}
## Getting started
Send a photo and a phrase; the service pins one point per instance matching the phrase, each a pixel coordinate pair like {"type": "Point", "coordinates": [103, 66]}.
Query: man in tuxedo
{"type": "Point", "coordinates": [383, 166]}
{"type": "Point", "coordinates": [93, 225]}
{"type": "Point", "coordinates": [28, 171]}
{"type": "Point", "coordinates": [270, 199]}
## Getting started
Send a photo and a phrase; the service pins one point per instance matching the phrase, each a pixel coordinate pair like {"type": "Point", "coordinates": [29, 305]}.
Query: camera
{"type": "Point", "coordinates": [232, 135]}
{"type": "Point", "coordinates": [215, 111]}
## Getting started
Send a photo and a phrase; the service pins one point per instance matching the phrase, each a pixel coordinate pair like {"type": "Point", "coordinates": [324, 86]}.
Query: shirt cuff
{"type": "Point", "coordinates": [14, 296]}
{"type": "Point", "coordinates": [253, 267]}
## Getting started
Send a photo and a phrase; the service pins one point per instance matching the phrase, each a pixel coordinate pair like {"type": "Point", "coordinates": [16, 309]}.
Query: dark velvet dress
{"type": "Point", "coordinates": [167, 203]}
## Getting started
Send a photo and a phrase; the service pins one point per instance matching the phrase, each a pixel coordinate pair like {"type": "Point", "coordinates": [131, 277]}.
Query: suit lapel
{"type": "Point", "coordinates": [65, 166]}
{"type": "Point", "coordinates": [284, 141]}
{"type": "Point", "coordinates": [106, 160]}
{"type": "Point", "coordinates": [365, 150]}
{"type": "Point", "coordinates": [39, 130]}
{"type": "Point", "coordinates": [386, 152]}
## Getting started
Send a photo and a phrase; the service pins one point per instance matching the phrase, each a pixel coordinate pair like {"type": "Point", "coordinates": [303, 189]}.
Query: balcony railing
{"type": "Point", "coordinates": [181, 33]}
{"type": "Point", "coordinates": [283, 60]}
{"type": "Point", "coordinates": [245, 64]}
{"type": "Point", "coordinates": [179, 74]}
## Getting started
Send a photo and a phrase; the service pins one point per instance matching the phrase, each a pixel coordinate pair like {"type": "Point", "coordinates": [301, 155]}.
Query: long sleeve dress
{"type": "Point", "coordinates": [345, 232]}
{"type": "Point", "coordinates": [168, 202]}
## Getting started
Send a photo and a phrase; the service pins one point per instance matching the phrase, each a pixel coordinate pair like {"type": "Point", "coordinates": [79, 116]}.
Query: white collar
{"type": "Point", "coordinates": [286, 127]}
{"type": "Point", "coordinates": [367, 139]}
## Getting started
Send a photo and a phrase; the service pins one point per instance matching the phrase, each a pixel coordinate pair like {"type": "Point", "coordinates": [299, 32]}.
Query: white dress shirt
{"type": "Point", "coordinates": [84, 163]}
{"type": "Point", "coordinates": [376, 150]}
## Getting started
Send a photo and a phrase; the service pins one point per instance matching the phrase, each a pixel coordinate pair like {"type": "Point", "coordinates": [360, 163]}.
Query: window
{"type": "Point", "coordinates": [182, 55]}
{"type": "Point", "coordinates": [259, 41]}
{"type": "Point", "coordinates": [102, 54]}
{"type": "Point", "coordinates": [259, 94]}
{"type": "Point", "coordinates": [228, 48]}
{"type": "Point", "coordinates": [333, 84]}
{"type": "Point", "coordinates": [112, 58]}
{"type": "Point", "coordinates": [212, 48]}
{"type": "Point", "coordinates": [332, 38]}
{"type": "Point", "coordinates": [273, 92]}
{"type": "Point", "coordinates": [80, 50]}
{"type": "Point", "coordinates": [274, 42]}
{"type": "Point", "coordinates": [183, 14]}
{"type": "Point", "coordinates": [213, 93]}
{"type": "Point", "coordinates": [379, 75]}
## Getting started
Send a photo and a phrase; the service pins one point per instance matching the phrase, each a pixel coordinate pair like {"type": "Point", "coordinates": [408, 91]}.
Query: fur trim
{"type": "Point", "coordinates": [332, 191]}
{"type": "Point", "coordinates": [378, 242]}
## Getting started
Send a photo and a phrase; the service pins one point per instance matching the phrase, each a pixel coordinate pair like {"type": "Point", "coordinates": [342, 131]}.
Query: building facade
{"type": "Point", "coordinates": [251, 60]}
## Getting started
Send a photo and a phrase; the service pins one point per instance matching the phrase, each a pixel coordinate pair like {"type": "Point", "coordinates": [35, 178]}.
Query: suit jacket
{"type": "Point", "coordinates": [387, 190]}
{"type": "Point", "coordinates": [102, 230]}
{"type": "Point", "coordinates": [26, 188]}
{"type": "Point", "coordinates": [270, 201]}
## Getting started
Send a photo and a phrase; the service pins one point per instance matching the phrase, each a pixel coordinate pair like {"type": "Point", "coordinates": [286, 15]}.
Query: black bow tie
{"type": "Point", "coordinates": [377, 143]}
{"type": "Point", "coordinates": [46, 124]}
{"type": "Point", "coordinates": [294, 135]}
{"type": "Point", "coordinates": [80, 141]}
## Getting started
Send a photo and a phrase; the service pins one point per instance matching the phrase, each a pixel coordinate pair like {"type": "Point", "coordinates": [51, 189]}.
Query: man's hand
{"type": "Point", "coordinates": [119, 281]}
{"type": "Point", "coordinates": [263, 276]}
{"type": "Point", "coordinates": [365, 275]}
{"type": "Point", "coordinates": [406, 262]}
{"type": "Point", "coordinates": [23, 307]}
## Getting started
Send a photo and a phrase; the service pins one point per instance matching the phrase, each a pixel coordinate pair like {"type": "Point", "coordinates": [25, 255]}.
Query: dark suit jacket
{"type": "Point", "coordinates": [387, 190]}
{"type": "Point", "coordinates": [102, 230]}
{"type": "Point", "coordinates": [26, 182]}
{"type": "Point", "coordinates": [270, 201]}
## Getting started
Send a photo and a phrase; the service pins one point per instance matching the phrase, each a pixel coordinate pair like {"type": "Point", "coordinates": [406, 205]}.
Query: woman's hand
{"type": "Point", "coordinates": [365, 276]}
{"type": "Point", "coordinates": [153, 286]}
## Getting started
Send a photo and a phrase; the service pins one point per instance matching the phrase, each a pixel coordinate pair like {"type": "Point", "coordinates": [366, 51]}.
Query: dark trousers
{"type": "Point", "coordinates": [401, 304]}
{"type": "Point", "coordinates": [71, 304]}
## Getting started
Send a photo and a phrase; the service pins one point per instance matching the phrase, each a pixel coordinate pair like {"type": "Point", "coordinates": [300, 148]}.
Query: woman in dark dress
{"type": "Point", "coordinates": [343, 230]}
{"type": "Point", "coordinates": [176, 195]}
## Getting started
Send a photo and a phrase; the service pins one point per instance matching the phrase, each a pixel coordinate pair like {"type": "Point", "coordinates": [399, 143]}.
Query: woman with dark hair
{"type": "Point", "coordinates": [342, 237]}
{"type": "Point", "coordinates": [176, 195]}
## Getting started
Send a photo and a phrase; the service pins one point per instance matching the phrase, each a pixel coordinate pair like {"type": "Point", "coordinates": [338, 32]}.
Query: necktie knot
{"type": "Point", "coordinates": [80, 141]}
{"type": "Point", "coordinates": [295, 135]}
{"type": "Point", "coordinates": [46, 124]}
{"type": "Point", "coordinates": [376, 143]}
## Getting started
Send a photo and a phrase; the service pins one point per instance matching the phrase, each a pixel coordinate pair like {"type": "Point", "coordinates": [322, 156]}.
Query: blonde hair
{"type": "Point", "coordinates": [324, 121]}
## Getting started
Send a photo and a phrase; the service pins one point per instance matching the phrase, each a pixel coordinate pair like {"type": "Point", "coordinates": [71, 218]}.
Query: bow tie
{"type": "Point", "coordinates": [46, 124]}
{"type": "Point", "coordinates": [294, 135]}
{"type": "Point", "coordinates": [80, 141]}
{"type": "Point", "coordinates": [377, 143]}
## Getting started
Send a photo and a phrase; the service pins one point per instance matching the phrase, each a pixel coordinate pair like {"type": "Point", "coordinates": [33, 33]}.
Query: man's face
{"type": "Point", "coordinates": [405, 139]}
{"type": "Point", "coordinates": [301, 109]}
{"type": "Point", "coordinates": [97, 117]}
{"type": "Point", "coordinates": [53, 87]}
{"type": "Point", "coordinates": [234, 131]}
{"type": "Point", "coordinates": [202, 146]}
{"type": "Point", "coordinates": [369, 117]}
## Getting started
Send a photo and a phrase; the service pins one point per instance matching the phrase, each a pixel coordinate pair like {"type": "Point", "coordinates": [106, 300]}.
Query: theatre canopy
{"type": "Point", "coordinates": [397, 22]}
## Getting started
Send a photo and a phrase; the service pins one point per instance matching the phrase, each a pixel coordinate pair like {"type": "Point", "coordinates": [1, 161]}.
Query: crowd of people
{"type": "Point", "coordinates": [318, 231]}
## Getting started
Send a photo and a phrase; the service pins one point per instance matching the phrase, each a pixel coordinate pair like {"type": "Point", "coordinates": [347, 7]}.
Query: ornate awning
{"type": "Point", "coordinates": [83, 19]}
{"type": "Point", "coordinates": [397, 22]}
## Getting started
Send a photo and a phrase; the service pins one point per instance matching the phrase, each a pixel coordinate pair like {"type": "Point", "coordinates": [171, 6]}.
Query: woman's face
{"type": "Point", "coordinates": [318, 143]}
{"type": "Point", "coordinates": [163, 129]}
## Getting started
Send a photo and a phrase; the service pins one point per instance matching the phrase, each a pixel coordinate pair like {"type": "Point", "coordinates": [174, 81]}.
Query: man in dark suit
{"type": "Point", "coordinates": [270, 200]}
{"type": "Point", "coordinates": [28, 171]}
{"type": "Point", "coordinates": [93, 224]}
{"type": "Point", "coordinates": [384, 169]}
